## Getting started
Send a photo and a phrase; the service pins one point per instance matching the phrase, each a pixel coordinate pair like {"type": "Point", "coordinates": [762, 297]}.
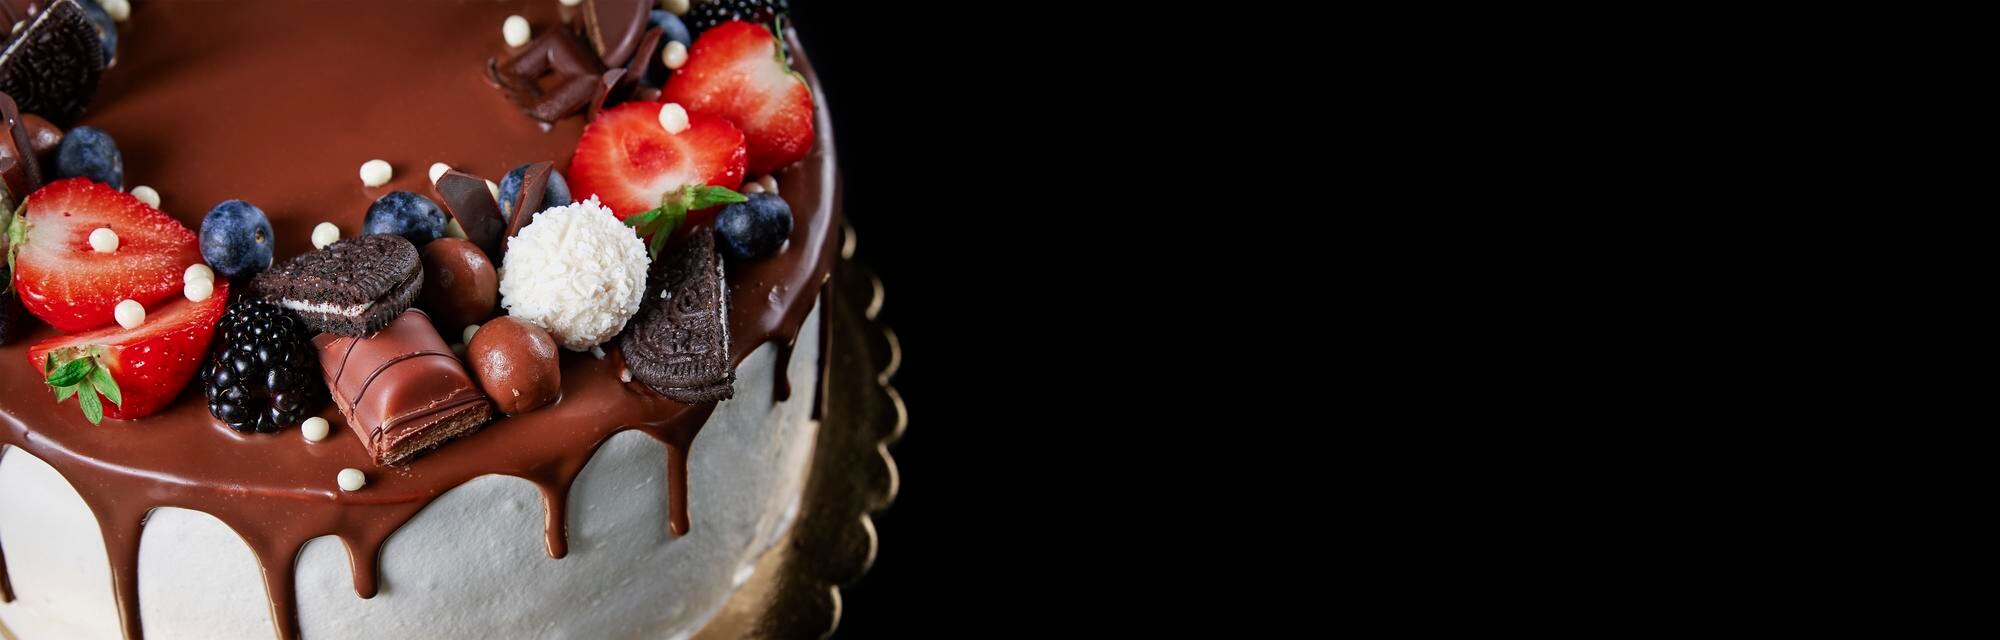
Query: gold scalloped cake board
{"type": "Point", "coordinates": [795, 592]}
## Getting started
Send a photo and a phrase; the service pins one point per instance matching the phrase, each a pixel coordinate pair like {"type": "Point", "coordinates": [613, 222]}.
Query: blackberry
{"type": "Point", "coordinates": [705, 14]}
{"type": "Point", "coordinates": [262, 374]}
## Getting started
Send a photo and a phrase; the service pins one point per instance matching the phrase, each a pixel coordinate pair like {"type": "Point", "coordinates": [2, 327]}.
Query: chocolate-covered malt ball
{"type": "Point", "coordinates": [461, 285]}
{"type": "Point", "coordinates": [516, 364]}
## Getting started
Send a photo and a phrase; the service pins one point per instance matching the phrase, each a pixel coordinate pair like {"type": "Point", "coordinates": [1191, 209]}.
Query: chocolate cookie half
{"type": "Point", "coordinates": [354, 287]}
{"type": "Point", "coordinates": [679, 343]}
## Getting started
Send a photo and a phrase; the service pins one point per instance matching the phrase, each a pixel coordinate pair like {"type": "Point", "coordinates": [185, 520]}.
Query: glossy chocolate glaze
{"type": "Point", "coordinates": [209, 102]}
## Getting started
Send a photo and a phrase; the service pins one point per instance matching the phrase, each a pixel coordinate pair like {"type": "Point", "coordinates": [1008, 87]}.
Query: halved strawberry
{"type": "Point", "coordinates": [72, 287]}
{"type": "Point", "coordinates": [132, 373]}
{"type": "Point", "coordinates": [630, 162]}
{"type": "Point", "coordinates": [737, 71]}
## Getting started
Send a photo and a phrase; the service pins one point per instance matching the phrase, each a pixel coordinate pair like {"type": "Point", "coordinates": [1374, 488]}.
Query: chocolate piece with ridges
{"type": "Point", "coordinates": [401, 389]}
{"type": "Point", "coordinates": [613, 27]}
{"type": "Point", "coordinates": [468, 200]}
{"type": "Point", "coordinates": [556, 51]}
{"type": "Point", "coordinates": [679, 343]}
{"type": "Point", "coordinates": [353, 287]}
{"type": "Point", "coordinates": [52, 67]}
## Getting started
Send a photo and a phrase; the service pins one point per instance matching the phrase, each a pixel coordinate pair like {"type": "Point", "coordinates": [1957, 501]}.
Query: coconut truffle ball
{"type": "Point", "coordinates": [576, 272]}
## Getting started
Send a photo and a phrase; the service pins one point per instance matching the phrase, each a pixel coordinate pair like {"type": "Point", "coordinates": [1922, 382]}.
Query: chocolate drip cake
{"type": "Point", "coordinates": [252, 248]}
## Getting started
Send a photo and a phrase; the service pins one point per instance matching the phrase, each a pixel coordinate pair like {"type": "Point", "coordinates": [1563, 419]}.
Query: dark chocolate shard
{"type": "Point", "coordinates": [555, 52]}
{"type": "Point", "coordinates": [51, 68]}
{"type": "Point", "coordinates": [621, 85]}
{"type": "Point", "coordinates": [613, 27]}
{"type": "Point", "coordinates": [679, 343]}
{"type": "Point", "coordinates": [353, 287]}
{"type": "Point", "coordinates": [20, 172]}
{"type": "Point", "coordinates": [401, 389]}
{"type": "Point", "coordinates": [468, 200]}
{"type": "Point", "coordinates": [534, 185]}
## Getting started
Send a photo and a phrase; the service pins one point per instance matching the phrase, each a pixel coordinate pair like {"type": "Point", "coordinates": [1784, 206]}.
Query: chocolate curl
{"type": "Point", "coordinates": [555, 52]}
{"type": "Point", "coordinates": [19, 171]}
{"type": "Point", "coordinates": [613, 27]}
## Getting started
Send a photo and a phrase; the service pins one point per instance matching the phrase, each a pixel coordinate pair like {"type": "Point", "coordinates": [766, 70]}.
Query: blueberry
{"type": "Point", "coordinates": [401, 213]}
{"type": "Point", "coordinates": [753, 229]}
{"type": "Point", "coordinates": [236, 239]}
{"type": "Point", "coordinates": [90, 152]}
{"type": "Point", "coordinates": [554, 195]}
{"type": "Point", "coordinates": [674, 30]}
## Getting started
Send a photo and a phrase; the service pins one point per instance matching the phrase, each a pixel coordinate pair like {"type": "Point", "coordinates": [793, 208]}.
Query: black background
{"type": "Point", "coordinates": [1429, 319]}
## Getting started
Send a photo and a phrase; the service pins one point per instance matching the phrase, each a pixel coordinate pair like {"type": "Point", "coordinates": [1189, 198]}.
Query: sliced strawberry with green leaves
{"type": "Point", "coordinates": [630, 162]}
{"type": "Point", "coordinates": [66, 283]}
{"type": "Point", "coordinates": [132, 373]}
{"type": "Point", "coordinates": [737, 71]}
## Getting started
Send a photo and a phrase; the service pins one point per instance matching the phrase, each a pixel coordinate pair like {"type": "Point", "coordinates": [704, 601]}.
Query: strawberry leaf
{"type": "Point", "coordinates": [63, 393]}
{"type": "Point", "coordinates": [71, 373]}
{"type": "Point", "coordinates": [705, 197]}
{"type": "Point", "coordinates": [100, 379]}
{"type": "Point", "coordinates": [92, 409]}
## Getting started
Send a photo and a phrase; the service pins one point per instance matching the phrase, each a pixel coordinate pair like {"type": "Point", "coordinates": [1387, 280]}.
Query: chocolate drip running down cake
{"type": "Point", "coordinates": [156, 479]}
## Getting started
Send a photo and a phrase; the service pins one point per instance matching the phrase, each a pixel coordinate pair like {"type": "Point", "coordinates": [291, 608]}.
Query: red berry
{"type": "Point", "coordinates": [71, 286]}
{"type": "Point", "coordinates": [735, 71]}
{"type": "Point", "coordinates": [629, 161]}
{"type": "Point", "coordinates": [151, 363]}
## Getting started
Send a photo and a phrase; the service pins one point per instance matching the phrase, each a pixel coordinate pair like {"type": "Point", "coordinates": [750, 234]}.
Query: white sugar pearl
{"type": "Point", "coordinates": [469, 330]}
{"type": "Point", "coordinates": [104, 240]}
{"type": "Point", "coordinates": [147, 195]}
{"type": "Point", "coordinates": [452, 229]}
{"type": "Point", "coordinates": [375, 173]}
{"type": "Point", "coordinates": [437, 171]}
{"type": "Point", "coordinates": [570, 3]}
{"type": "Point", "coordinates": [770, 183]}
{"type": "Point", "coordinates": [515, 30]}
{"type": "Point", "coordinates": [315, 429]}
{"type": "Point", "coordinates": [198, 289]}
{"type": "Point", "coordinates": [129, 314]}
{"type": "Point", "coordinates": [198, 271]}
{"type": "Point", "coordinates": [674, 54]}
{"type": "Point", "coordinates": [676, 7]}
{"type": "Point", "coordinates": [325, 234]}
{"type": "Point", "coordinates": [752, 188]}
{"type": "Point", "coordinates": [674, 118]}
{"type": "Point", "coordinates": [119, 10]}
{"type": "Point", "coordinates": [351, 479]}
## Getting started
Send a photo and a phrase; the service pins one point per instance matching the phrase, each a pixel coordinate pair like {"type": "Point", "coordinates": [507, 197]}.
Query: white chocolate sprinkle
{"type": "Point", "coordinates": [147, 195]}
{"type": "Point", "coordinates": [515, 30]}
{"type": "Point", "coordinates": [198, 289]}
{"type": "Point", "coordinates": [676, 7]}
{"type": "Point", "coordinates": [315, 429]}
{"type": "Point", "coordinates": [104, 240]}
{"type": "Point", "coordinates": [674, 118]}
{"type": "Point", "coordinates": [752, 188]}
{"type": "Point", "coordinates": [375, 173]}
{"type": "Point", "coordinates": [198, 271]}
{"type": "Point", "coordinates": [452, 229]}
{"type": "Point", "coordinates": [570, 3]}
{"type": "Point", "coordinates": [119, 10]}
{"type": "Point", "coordinates": [129, 313]}
{"type": "Point", "coordinates": [469, 330]}
{"type": "Point", "coordinates": [437, 171]}
{"type": "Point", "coordinates": [674, 54]}
{"type": "Point", "coordinates": [770, 183]}
{"type": "Point", "coordinates": [351, 479]}
{"type": "Point", "coordinates": [325, 234]}
{"type": "Point", "coordinates": [597, 352]}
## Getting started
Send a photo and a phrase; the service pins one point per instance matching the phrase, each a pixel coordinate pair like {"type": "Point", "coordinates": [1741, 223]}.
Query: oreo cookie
{"type": "Point", "coordinates": [354, 287]}
{"type": "Point", "coordinates": [53, 65]}
{"type": "Point", "coordinates": [679, 343]}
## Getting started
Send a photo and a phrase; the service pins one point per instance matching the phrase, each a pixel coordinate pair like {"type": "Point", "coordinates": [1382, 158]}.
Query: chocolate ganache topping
{"type": "Point", "coordinates": [276, 102]}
